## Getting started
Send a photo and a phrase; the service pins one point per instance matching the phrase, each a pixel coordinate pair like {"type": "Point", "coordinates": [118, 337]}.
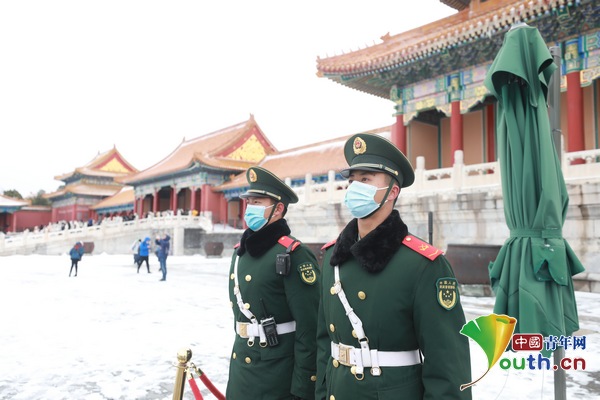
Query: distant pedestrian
{"type": "Point", "coordinates": [162, 251]}
{"type": "Point", "coordinates": [135, 249]}
{"type": "Point", "coordinates": [76, 254]}
{"type": "Point", "coordinates": [144, 251]}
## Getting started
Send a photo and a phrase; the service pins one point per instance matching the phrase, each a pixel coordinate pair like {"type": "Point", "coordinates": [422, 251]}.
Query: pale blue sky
{"type": "Point", "coordinates": [80, 76]}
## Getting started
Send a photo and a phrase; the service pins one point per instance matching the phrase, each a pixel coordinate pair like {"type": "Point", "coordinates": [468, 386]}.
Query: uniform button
{"type": "Point", "coordinates": [248, 278]}
{"type": "Point", "coordinates": [354, 333]}
{"type": "Point", "coordinates": [332, 291]}
{"type": "Point", "coordinates": [248, 360]}
{"type": "Point", "coordinates": [362, 295]}
{"type": "Point", "coordinates": [408, 239]}
{"type": "Point", "coordinates": [234, 356]}
{"type": "Point", "coordinates": [332, 327]}
{"type": "Point", "coordinates": [332, 397]}
{"type": "Point", "coordinates": [353, 370]}
{"type": "Point", "coordinates": [336, 363]}
{"type": "Point", "coordinates": [247, 306]}
{"type": "Point", "coordinates": [313, 378]}
{"type": "Point", "coordinates": [232, 276]}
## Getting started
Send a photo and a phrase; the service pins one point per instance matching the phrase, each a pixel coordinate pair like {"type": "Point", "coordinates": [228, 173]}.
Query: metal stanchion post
{"type": "Point", "coordinates": [183, 357]}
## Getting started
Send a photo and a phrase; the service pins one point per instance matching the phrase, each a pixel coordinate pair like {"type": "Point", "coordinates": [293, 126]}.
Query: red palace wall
{"type": "Point", "coordinates": [29, 219]}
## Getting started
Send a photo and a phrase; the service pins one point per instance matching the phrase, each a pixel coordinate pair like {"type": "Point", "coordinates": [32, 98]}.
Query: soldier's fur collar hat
{"type": "Point", "coordinates": [259, 242]}
{"type": "Point", "coordinates": [375, 250]}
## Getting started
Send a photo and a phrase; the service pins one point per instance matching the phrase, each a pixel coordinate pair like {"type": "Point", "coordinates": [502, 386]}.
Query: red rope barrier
{"type": "Point", "coordinates": [195, 390]}
{"type": "Point", "coordinates": [210, 386]}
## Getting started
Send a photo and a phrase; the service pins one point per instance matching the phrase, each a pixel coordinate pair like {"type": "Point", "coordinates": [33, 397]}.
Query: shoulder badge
{"type": "Point", "coordinates": [307, 273]}
{"type": "Point", "coordinates": [328, 244]}
{"type": "Point", "coordinates": [421, 247]}
{"type": "Point", "coordinates": [447, 292]}
{"type": "Point", "coordinates": [286, 241]}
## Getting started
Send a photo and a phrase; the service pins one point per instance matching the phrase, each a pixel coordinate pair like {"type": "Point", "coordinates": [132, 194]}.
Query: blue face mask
{"type": "Point", "coordinates": [255, 216]}
{"type": "Point", "coordinates": [360, 199]}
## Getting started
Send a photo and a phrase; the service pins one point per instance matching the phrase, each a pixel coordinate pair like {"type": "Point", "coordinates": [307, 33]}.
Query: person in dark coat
{"type": "Point", "coordinates": [144, 253]}
{"type": "Point", "coordinates": [274, 292]}
{"type": "Point", "coordinates": [162, 252]}
{"type": "Point", "coordinates": [390, 314]}
{"type": "Point", "coordinates": [76, 253]}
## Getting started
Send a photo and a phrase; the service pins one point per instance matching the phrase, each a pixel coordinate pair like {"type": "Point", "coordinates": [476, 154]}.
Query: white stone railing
{"type": "Point", "coordinates": [590, 168]}
{"type": "Point", "coordinates": [107, 228]}
{"type": "Point", "coordinates": [459, 177]}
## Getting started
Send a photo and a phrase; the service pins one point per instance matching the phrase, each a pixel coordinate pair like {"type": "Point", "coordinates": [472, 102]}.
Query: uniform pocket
{"type": "Point", "coordinates": [407, 391]}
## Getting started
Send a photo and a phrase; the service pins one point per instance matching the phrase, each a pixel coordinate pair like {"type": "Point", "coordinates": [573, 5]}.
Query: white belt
{"type": "Point", "coordinates": [249, 330]}
{"type": "Point", "coordinates": [348, 356]}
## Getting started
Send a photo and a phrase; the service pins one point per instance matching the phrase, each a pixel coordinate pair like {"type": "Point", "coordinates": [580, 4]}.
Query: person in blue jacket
{"type": "Point", "coordinates": [144, 251]}
{"type": "Point", "coordinates": [76, 254]}
{"type": "Point", "coordinates": [162, 251]}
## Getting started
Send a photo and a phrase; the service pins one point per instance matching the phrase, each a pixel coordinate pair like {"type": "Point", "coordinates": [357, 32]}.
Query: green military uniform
{"type": "Point", "coordinates": [407, 342]}
{"type": "Point", "coordinates": [258, 370]}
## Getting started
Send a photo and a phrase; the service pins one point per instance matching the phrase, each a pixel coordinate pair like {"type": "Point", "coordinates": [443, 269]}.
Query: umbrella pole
{"type": "Point", "coordinates": [560, 378]}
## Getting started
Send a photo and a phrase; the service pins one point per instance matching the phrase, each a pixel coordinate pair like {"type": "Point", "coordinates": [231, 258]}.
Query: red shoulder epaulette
{"type": "Point", "coordinates": [236, 246]}
{"type": "Point", "coordinates": [286, 241]}
{"type": "Point", "coordinates": [328, 244]}
{"type": "Point", "coordinates": [421, 247]}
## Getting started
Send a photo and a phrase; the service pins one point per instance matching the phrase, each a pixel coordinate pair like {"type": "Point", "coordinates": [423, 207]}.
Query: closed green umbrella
{"type": "Point", "coordinates": [532, 274]}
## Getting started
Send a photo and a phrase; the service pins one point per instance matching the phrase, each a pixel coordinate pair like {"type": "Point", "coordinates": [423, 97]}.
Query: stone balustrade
{"type": "Point", "coordinates": [116, 235]}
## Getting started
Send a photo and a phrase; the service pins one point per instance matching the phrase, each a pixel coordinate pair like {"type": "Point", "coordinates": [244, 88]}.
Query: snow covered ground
{"type": "Point", "coordinates": [111, 333]}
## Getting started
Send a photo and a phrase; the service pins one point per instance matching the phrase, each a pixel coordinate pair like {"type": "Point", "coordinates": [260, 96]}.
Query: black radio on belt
{"type": "Point", "coordinates": [270, 328]}
{"type": "Point", "coordinates": [283, 262]}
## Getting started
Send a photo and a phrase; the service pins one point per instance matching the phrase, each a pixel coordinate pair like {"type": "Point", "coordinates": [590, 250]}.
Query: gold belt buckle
{"type": "Point", "coordinates": [243, 330]}
{"type": "Point", "coordinates": [344, 355]}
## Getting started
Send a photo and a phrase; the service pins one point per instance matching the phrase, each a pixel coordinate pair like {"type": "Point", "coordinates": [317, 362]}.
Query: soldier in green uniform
{"type": "Point", "coordinates": [390, 313]}
{"type": "Point", "coordinates": [274, 292]}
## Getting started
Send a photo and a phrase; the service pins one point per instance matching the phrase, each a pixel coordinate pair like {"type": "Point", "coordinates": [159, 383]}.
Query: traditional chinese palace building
{"type": "Point", "coordinates": [8, 213]}
{"type": "Point", "coordinates": [434, 76]}
{"type": "Point", "coordinates": [186, 178]}
{"type": "Point", "coordinates": [88, 185]}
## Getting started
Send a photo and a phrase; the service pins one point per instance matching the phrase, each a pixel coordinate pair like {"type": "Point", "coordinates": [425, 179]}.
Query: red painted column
{"type": "Point", "coordinates": [223, 216]}
{"type": "Point", "coordinates": [174, 199]}
{"type": "Point", "coordinates": [155, 201]}
{"type": "Point", "coordinates": [141, 207]}
{"type": "Point", "coordinates": [14, 221]}
{"type": "Point", "coordinates": [575, 114]}
{"type": "Point", "coordinates": [456, 129]}
{"type": "Point", "coordinates": [399, 133]}
{"type": "Point", "coordinates": [398, 130]}
{"type": "Point", "coordinates": [491, 133]}
{"type": "Point", "coordinates": [74, 212]}
{"type": "Point", "coordinates": [193, 198]}
{"type": "Point", "coordinates": [208, 200]}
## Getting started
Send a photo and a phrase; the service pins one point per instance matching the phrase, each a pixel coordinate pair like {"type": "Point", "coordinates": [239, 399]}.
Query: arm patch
{"type": "Point", "coordinates": [307, 273]}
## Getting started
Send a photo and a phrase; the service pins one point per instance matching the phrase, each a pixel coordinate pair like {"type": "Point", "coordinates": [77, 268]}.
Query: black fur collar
{"type": "Point", "coordinates": [375, 250]}
{"type": "Point", "coordinates": [259, 242]}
